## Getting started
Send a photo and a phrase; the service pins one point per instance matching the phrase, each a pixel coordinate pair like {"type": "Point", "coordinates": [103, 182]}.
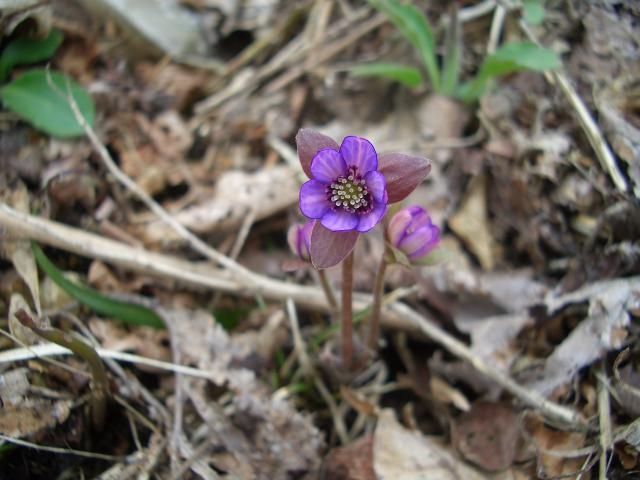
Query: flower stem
{"type": "Point", "coordinates": [378, 290]}
{"type": "Point", "coordinates": [347, 312]}
{"type": "Point", "coordinates": [328, 291]}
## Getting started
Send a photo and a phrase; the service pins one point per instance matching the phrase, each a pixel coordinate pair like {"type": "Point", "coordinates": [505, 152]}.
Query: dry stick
{"type": "Point", "coordinates": [346, 321]}
{"type": "Point", "coordinates": [604, 414]}
{"type": "Point", "coordinates": [398, 315]}
{"type": "Point", "coordinates": [378, 291]}
{"type": "Point", "coordinates": [69, 451]}
{"type": "Point", "coordinates": [588, 124]}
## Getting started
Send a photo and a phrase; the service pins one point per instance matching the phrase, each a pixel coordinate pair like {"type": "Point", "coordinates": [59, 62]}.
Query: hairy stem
{"type": "Point", "coordinates": [378, 290]}
{"type": "Point", "coordinates": [328, 291]}
{"type": "Point", "coordinates": [347, 312]}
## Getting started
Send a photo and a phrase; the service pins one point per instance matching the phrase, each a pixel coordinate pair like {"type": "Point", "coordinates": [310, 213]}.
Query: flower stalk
{"type": "Point", "coordinates": [376, 309]}
{"type": "Point", "coordinates": [346, 325]}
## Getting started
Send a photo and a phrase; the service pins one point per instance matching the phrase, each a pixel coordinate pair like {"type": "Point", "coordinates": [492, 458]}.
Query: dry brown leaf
{"type": "Point", "coordinates": [14, 384]}
{"type": "Point", "coordinates": [19, 251]}
{"type": "Point", "coordinates": [402, 454]}
{"type": "Point", "coordinates": [237, 194]}
{"type": "Point", "coordinates": [32, 416]}
{"type": "Point", "coordinates": [555, 465]}
{"type": "Point", "coordinates": [471, 223]}
{"type": "Point", "coordinates": [445, 393]}
{"type": "Point", "coordinates": [604, 329]}
{"type": "Point", "coordinates": [487, 435]}
{"type": "Point", "coordinates": [22, 333]}
{"type": "Point", "coordinates": [351, 462]}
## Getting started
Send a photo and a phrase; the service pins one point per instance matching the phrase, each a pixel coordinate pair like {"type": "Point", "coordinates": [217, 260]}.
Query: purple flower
{"type": "Point", "coordinates": [346, 191]}
{"type": "Point", "coordinates": [299, 239]}
{"type": "Point", "coordinates": [349, 189]}
{"type": "Point", "coordinates": [412, 232]}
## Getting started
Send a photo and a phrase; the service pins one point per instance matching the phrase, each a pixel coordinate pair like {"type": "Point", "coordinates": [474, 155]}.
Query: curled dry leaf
{"type": "Point", "coordinates": [262, 193]}
{"type": "Point", "coordinates": [554, 442]}
{"type": "Point", "coordinates": [402, 454]}
{"type": "Point", "coordinates": [471, 223]}
{"type": "Point", "coordinates": [604, 329]}
{"type": "Point", "coordinates": [19, 250]}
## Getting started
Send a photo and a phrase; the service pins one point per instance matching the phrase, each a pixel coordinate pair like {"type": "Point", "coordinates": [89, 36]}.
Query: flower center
{"type": "Point", "coordinates": [349, 193]}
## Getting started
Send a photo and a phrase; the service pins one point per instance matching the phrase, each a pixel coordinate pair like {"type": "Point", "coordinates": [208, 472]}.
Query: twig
{"type": "Point", "coordinates": [552, 410]}
{"type": "Point", "coordinates": [590, 127]}
{"type": "Point", "coordinates": [66, 451]}
{"type": "Point", "coordinates": [307, 366]}
{"type": "Point", "coordinates": [497, 23]}
{"type": "Point", "coordinates": [604, 413]}
{"type": "Point", "coordinates": [398, 316]}
{"type": "Point", "coordinates": [51, 349]}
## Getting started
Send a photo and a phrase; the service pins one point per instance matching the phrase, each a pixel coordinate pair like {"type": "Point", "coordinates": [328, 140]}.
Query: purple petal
{"type": "Point", "coordinates": [359, 152]}
{"type": "Point", "coordinates": [371, 219]}
{"type": "Point", "coordinates": [309, 142]}
{"type": "Point", "coordinates": [376, 184]}
{"type": "Point", "coordinates": [403, 174]}
{"type": "Point", "coordinates": [413, 242]}
{"type": "Point", "coordinates": [313, 199]}
{"type": "Point", "coordinates": [398, 225]}
{"type": "Point", "coordinates": [330, 248]}
{"type": "Point", "coordinates": [339, 220]}
{"type": "Point", "coordinates": [327, 165]}
{"type": "Point", "coordinates": [420, 216]}
{"type": "Point", "coordinates": [428, 246]}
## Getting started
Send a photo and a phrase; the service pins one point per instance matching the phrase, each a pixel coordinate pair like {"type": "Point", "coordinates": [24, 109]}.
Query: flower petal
{"type": "Point", "coordinates": [371, 219]}
{"type": "Point", "coordinates": [309, 142]}
{"type": "Point", "coordinates": [359, 152]}
{"type": "Point", "coordinates": [339, 220]}
{"type": "Point", "coordinates": [330, 248]}
{"type": "Point", "coordinates": [398, 225]}
{"type": "Point", "coordinates": [413, 242]}
{"type": "Point", "coordinates": [327, 165]}
{"type": "Point", "coordinates": [403, 174]}
{"type": "Point", "coordinates": [376, 184]}
{"type": "Point", "coordinates": [313, 199]}
{"type": "Point", "coordinates": [429, 245]}
{"type": "Point", "coordinates": [420, 216]}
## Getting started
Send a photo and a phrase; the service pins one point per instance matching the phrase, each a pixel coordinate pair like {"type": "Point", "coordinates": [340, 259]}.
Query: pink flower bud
{"type": "Point", "coordinates": [299, 239]}
{"type": "Point", "coordinates": [412, 232]}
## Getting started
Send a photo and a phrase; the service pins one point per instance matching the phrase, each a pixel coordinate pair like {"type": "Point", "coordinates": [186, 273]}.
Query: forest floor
{"type": "Point", "coordinates": [164, 222]}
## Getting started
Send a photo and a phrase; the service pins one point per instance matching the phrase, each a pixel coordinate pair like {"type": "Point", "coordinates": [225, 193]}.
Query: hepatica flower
{"type": "Point", "coordinates": [349, 189]}
{"type": "Point", "coordinates": [412, 232]}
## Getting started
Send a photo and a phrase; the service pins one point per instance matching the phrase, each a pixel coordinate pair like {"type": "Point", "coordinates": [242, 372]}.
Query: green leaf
{"type": "Point", "coordinates": [28, 50]}
{"type": "Point", "coordinates": [510, 58]}
{"type": "Point", "coordinates": [453, 55]}
{"type": "Point", "coordinates": [40, 97]}
{"type": "Point", "coordinates": [415, 27]}
{"type": "Point", "coordinates": [404, 74]}
{"type": "Point", "coordinates": [533, 11]}
{"type": "Point", "coordinates": [126, 312]}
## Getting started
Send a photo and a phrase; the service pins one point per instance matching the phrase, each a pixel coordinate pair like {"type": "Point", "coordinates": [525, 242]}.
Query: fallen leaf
{"type": "Point", "coordinates": [351, 462]}
{"type": "Point", "coordinates": [487, 435]}
{"type": "Point", "coordinates": [401, 454]}
{"type": "Point", "coordinates": [471, 223]}
{"type": "Point", "coordinates": [19, 251]}
{"type": "Point", "coordinates": [554, 464]}
{"type": "Point", "coordinates": [604, 329]}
